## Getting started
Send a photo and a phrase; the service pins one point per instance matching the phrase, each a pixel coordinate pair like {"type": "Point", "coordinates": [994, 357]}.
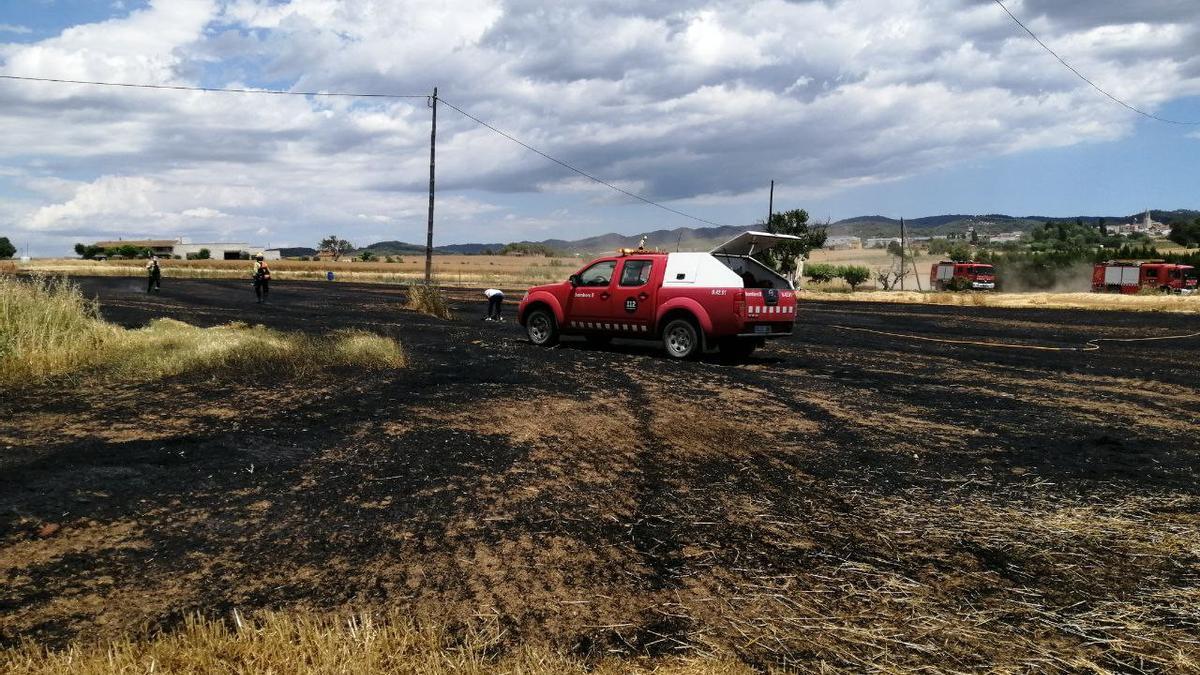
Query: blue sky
{"type": "Point", "coordinates": [898, 107]}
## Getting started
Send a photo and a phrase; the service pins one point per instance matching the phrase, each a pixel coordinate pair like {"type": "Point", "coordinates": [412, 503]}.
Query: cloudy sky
{"type": "Point", "coordinates": [897, 107]}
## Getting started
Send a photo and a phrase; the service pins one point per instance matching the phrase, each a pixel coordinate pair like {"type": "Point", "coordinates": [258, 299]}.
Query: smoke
{"type": "Point", "coordinates": [1028, 276]}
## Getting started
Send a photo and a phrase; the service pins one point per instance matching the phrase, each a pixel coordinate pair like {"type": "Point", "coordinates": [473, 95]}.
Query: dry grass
{"type": "Point", "coordinates": [307, 643]}
{"type": "Point", "coordinates": [457, 270]}
{"type": "Point", "coordinates": [48, 329]}
{"type": "Point", "coordinates": [428, 299]}
{"type": "Point", "coordinates": [1101, 301]}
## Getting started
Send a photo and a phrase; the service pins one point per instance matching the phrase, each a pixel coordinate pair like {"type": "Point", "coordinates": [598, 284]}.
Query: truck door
{"type": "Point", "coordinates": [592, 299]}
{"type": "Point", "coordinates": [633, 311]}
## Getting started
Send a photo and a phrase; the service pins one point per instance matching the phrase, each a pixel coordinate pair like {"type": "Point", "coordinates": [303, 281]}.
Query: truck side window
{"type": "Point", "coordinates": [599, 274]}
{"type": "Point", "coordinates": [635, 272]}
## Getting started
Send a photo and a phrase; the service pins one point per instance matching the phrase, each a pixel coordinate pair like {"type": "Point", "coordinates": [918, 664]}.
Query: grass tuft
{"type": "Point", "coordinates": [428, 299]}
{"type": "Point", "coordinates": [48, 329]}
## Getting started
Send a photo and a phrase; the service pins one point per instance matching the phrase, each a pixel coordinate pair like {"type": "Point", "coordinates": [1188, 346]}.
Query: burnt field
{"type": "Point", "coordinates": [841, 499]}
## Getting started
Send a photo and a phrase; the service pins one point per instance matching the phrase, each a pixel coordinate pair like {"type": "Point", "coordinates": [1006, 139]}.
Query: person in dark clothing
{"type": "Point", "coordinates": [262, 279]}
{"type": "Point", "coordinates": [748, 280]}
{"type": "Point", "coordinates": [154, 274]}
{"type": "Point", "coordinates": [495, 298]}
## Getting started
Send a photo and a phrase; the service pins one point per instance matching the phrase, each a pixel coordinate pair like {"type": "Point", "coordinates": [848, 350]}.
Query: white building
{"type": "Point", "coordinates": [843, 243]}
{"type": "Point", "coordinates": [881, 242]}
{"type": "Point", "coordinates": [225, 250]}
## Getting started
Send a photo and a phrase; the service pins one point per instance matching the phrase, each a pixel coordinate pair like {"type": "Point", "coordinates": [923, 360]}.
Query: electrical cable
{"type": "Point", "coordinates": [1089, 346]}
{"type": "Point", "coordinates": [581, 172]}
{"type": "Point", "coordinates": [226, 90]}
{"type": "Point", "coordinates": [1085, 79]}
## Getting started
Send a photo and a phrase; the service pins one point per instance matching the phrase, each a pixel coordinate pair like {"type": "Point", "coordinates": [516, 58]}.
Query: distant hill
{"type": "Point", "coordinates": [705, 238]}
{"type": "Point", "coordinates": [403, 248]}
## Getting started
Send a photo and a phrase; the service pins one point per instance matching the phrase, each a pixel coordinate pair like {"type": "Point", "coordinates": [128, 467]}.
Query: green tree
{"type": "Point", "coordinates": [527, 248]}
{"type": "Point", "coordinates": [7, 250]}
{"type": "Point", "coordinates": [821, 272]}
{"type": "Point", "coordinates": [203, 254]}
{"type": "Point", "coordinates": [795, 222]}
{"type": "Point", "coordinates": [366, 256]}
{"type": "Point", "coordinates": [854, 275]}
{"type": "Point", "coordinates": [1186, 234]}
{"type": "Point", "coordinates": [88, 251]}
{"type": "Point", "coordinates": [335, 246]}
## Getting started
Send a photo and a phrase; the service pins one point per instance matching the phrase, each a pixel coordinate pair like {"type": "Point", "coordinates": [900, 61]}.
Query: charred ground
{"type": "Point", "coordinates": [842, 498]}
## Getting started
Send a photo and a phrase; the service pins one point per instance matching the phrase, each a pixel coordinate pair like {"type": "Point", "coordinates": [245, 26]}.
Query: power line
{"type": "Point", "coordinates": [1085, 79]}
{"type": "Point", "coordinates": [581, 172]}
{"type": "Point", "coordinates": [179, 87]}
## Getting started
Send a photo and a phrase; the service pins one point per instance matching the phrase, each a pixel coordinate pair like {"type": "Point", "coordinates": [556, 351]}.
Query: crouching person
{"type": "Point", "coordinates": [495, 298]}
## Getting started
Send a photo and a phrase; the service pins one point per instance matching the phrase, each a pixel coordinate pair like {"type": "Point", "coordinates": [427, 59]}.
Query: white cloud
{"type": "Point", "coordinates": [203, 212]}
{"type": "Point", "coordinates": [699, 102]}
{"type": "Point", "coordinates": [13, 28]}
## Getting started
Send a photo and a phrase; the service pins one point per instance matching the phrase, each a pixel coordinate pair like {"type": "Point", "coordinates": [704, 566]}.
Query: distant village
{"type": "Point", "coordinates": [1143, 225]}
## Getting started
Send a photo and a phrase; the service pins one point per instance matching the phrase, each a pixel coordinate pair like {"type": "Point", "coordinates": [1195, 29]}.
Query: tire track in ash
{"type": "Point", "coordinates": [656, 537]}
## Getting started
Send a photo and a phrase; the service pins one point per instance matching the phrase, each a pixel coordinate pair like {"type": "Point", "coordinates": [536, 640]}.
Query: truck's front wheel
{"type": "Point", "coordinates": [681, 339]}
{"type": "Point", "coordinates": [541, 328]}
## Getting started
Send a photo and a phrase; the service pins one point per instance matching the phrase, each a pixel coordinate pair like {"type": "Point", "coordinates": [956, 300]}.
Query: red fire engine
{"type": "Point", "coordinates": [966, 276]}
{"type": "Point", "coordinates": [689, 301]}
{"type": "Point", "coordinates": [1131, 276]}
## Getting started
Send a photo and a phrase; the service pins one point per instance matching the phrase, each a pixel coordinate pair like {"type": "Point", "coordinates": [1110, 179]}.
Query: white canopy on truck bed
{"type": "Point", "coordinates": [751, 242]}
{"type": "Point", "coordinates": [735, 254]}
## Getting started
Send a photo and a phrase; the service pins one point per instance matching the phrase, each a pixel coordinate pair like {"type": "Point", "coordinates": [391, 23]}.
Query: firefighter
{"type": "Point", "coordinates": [262, 279]}
{"type": "Point", "coordinates": [495, 298]}
{"type": "Point", "coordinates": [154, 275]}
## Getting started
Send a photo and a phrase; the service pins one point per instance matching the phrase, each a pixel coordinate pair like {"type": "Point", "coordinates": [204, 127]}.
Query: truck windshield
{"type": "Point", "coordinates": [982, 269]}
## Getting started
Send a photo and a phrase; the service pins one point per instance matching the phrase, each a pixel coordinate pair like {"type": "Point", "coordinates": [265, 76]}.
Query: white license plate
{"type": "Point", "coordinates": [762, 329]}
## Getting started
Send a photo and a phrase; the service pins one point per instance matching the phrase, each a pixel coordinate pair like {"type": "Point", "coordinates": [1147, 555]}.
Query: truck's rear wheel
{"type": "Point", "coordinates": [541, 328]}
{"type": "Point", "coordinates": [681, 339]}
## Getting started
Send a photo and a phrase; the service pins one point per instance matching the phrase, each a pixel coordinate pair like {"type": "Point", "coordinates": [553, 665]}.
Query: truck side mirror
{"type": "Point", "coordinates": [574, 279]}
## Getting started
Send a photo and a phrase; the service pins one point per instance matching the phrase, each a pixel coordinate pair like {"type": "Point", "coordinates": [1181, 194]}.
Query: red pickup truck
{"type": "Point", "coordinates": [690, 301]}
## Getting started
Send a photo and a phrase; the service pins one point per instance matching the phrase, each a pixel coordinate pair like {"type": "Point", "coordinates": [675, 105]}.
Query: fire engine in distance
{"type": "Point", "coordinates": [950, 275]}
{"type": "Point", "coordinates": [692, 302]}
{"type": "Point", "coordinates": [1130, 276]}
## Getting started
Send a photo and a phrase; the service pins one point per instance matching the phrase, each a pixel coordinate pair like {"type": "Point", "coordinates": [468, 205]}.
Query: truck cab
{"type": "Point", "coordinates": [962, 276]}
{"type": "Point", "coordinates": [690, 301]}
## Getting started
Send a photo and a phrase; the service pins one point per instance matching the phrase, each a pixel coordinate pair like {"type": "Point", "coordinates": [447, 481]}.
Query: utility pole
{"type": "Point", "coordinates": [432, 150]}
{"type": "Point", "coordinates": [902, 253]}
{"type": "Point", "coordinates": [771, 206]}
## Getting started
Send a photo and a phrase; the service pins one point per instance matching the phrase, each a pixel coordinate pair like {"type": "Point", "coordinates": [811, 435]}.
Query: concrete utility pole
{"type": "Point", "coordinates": [902, 253]}
{"type": "Point", "coordinates": [432, 151]}
{"type": "Point", "coordinates": [771, 206]}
